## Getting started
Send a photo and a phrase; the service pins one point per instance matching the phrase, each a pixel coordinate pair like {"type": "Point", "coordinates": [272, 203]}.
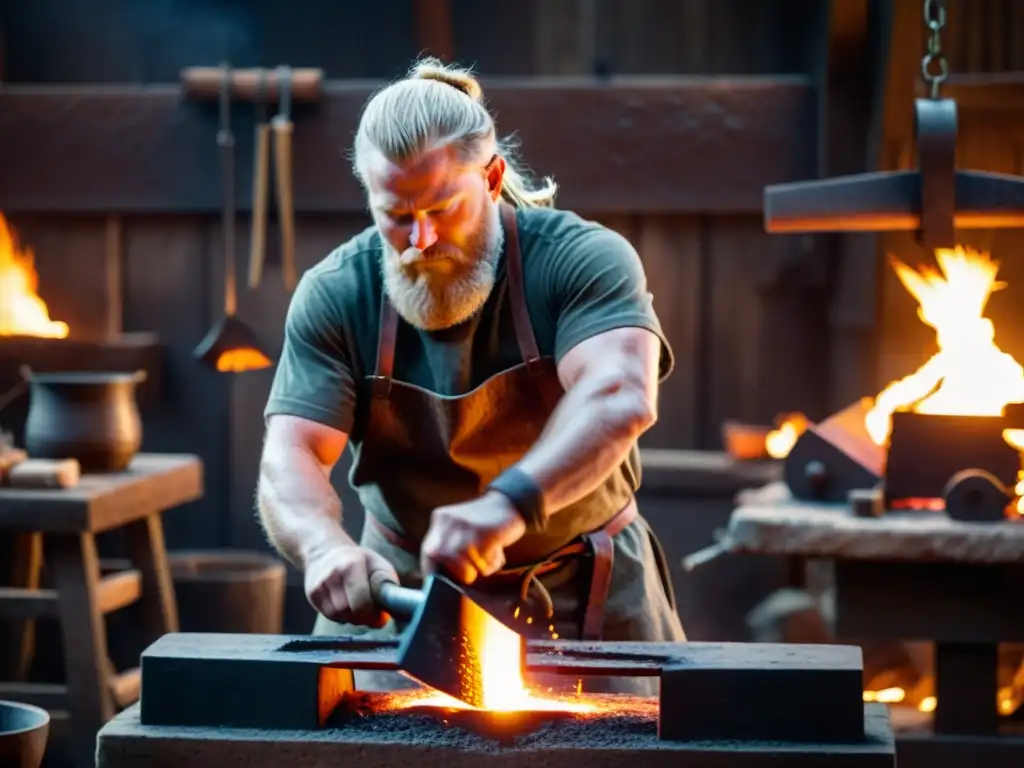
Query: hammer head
{"type": "Point", "coordinates": [450, 641]}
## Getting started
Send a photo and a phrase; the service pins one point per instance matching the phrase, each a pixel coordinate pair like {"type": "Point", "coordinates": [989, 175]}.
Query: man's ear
{"type": "Point", "coordinates": [494, 175]}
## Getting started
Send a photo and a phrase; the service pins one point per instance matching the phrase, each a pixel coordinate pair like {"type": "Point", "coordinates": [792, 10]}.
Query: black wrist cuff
{"type": "Point", "coordinates": [525, 496]}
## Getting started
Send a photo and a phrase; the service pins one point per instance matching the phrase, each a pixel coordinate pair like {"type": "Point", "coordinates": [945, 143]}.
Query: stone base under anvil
{"type": "Point", "coordinates": [394, 740]}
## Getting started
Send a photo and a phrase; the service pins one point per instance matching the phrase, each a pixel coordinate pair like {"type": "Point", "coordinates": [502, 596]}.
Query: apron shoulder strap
{"type": "Point", "coordinates": [517, 293]}
{"type": "Point", "coordinates": [386, 338]}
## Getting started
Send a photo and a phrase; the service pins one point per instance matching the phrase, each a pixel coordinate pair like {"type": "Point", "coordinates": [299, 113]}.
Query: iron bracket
{"type": "Point", "coordinates": [934, 199]}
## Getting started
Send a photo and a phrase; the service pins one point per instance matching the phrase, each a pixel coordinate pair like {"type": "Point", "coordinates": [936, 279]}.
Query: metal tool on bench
{"type": "Point", "coordinates": [443, 644]}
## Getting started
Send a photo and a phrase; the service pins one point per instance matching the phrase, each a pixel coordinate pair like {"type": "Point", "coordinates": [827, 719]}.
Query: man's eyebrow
{"type": "Point", "coordinates": [433, 202]}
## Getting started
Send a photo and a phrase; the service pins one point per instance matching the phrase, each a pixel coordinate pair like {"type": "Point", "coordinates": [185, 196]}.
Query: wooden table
{"type": "Point", "coordinates": [912, 576]}
{"type": "Point", "coordinates": [61, 524]}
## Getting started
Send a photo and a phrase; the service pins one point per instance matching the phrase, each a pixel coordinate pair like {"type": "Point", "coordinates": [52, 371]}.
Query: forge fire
{"type": "Point", "coordinates": [968, 376]}
{"type": "Point", "coordinates": [22, 310]}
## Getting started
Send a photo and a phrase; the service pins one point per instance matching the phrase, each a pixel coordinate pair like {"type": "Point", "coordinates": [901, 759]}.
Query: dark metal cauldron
{"type": "Point", "coordinates": [24, 730]}
{"type": "Point", "coordinates": [91, 416]}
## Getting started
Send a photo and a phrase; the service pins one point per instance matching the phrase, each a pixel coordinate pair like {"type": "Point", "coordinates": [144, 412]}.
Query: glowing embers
{"type": "Point", "coordinates": [419, 709]}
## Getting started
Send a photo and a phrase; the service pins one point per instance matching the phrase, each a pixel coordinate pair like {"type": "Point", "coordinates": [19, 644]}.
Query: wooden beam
{"type": "Point", "coordinates": [644, 145]}
{"type": "Point", "coordinates": [890, 201]}
{"type": "Point", "coordinates": [987, 92]}
{"type": "Point", "coordinates": [434, 33]}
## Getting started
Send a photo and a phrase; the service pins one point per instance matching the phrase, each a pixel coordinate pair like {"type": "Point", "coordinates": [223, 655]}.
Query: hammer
{"type": "Point", "coordinates": [445, 644]}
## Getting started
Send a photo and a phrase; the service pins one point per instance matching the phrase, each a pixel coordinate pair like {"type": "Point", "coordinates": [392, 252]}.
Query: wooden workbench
{"type": "Point", "coordinates": [61, 524]}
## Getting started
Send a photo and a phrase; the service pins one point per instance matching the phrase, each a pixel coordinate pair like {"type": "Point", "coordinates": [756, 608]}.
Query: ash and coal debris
{"type": "Point", "coordinates": [622, 722]}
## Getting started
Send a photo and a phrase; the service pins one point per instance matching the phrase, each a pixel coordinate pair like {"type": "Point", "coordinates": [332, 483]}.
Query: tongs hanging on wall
{"type": "Point", "coordinates": [230, 346]}
{"type": "Point", "coordinates": [279, 130]}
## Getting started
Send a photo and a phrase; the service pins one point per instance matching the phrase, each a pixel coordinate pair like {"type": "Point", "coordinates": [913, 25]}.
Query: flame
{"type": "Point", "coordinates": [969, 375]}
{"type": "Point", "coordinates": [22, 311]}
{"type": "Point", "coordinates": [501, 679]}
{"type": "Point", "coordinates": [779, 442]}
{"type": "Point", "coordinates": [241, 360]}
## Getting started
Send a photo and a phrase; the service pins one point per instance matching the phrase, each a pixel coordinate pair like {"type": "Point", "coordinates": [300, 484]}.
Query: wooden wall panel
{"type": "Point", "coordinates": [167, 290]}
{"type": "Point", "coordinates": [57, 41]}
{"type": "Point", "coordinates": [668, 36]}
{"type": "Point", "coordinates": [984, 35]}
{"type": "Point", "coordinates": [670, 247]}
{"type": "Point", "coordinates": [764, 329]}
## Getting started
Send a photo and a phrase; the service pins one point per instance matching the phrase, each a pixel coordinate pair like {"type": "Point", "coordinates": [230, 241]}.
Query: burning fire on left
{"type": "Point", "coordinates": [22, 311]}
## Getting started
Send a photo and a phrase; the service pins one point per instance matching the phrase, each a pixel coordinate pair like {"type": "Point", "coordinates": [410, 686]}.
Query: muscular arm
{"type": "Point", "coordinates": [611, 357]}
{"type": "Point", "coordinates": [298, 507]}
{"type": "Point", "coordinates": [309, 416]}
{"type": "Point", "coordinates": [611, 383]}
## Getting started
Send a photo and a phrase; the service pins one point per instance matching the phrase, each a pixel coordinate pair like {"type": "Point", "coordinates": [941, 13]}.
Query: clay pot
{"type": "Point", "coordinates": [90, 416]}
{"type": "Point", "coordinates": [24, 730]}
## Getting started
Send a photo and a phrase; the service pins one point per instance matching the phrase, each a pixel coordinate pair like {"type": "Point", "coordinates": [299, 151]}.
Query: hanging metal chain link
{"type": "Point", "coordinates": [934, 67]}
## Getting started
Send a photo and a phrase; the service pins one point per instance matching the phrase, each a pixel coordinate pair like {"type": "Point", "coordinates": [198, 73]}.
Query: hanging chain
{"type": "Point", "coordinates": [934, 67]}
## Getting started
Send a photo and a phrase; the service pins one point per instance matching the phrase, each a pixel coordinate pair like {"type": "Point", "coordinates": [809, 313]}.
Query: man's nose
{"type": "Point", "coordinates": [423, 234]}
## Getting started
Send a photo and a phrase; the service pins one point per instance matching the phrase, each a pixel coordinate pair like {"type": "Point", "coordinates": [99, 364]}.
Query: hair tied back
{"type": "Point", "coordinates": [460, 79]}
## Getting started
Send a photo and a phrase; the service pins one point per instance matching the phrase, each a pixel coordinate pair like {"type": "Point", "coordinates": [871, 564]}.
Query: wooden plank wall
{"type": "Point", "coordinates": [742, 310]}
{"type": "Point", "coordinates": [981, 36]}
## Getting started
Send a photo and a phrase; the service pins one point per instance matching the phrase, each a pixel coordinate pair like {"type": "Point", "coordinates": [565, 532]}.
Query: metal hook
{"type": "Point", "coordinates": [284, 96]}
{"type": "Point", "coordinates": [261, 95]}
{"type": "Point", "coordinates": [224, 136]}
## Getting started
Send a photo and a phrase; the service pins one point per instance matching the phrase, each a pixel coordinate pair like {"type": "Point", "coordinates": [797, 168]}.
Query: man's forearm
{"type": "Point", "coordinates": [589, 434]}
{"type": "Point", "coordinates": [298, 507]}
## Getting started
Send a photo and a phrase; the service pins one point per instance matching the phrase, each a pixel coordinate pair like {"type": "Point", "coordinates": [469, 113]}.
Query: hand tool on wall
{"type": "Point", "coordinates": [281, 126]}
{"type": "Point", "coordinates": [448, 636]}
{"type": "Point", "coordinates": [260, 180]}
{"type": "Point", "coordinates": [230, 345]}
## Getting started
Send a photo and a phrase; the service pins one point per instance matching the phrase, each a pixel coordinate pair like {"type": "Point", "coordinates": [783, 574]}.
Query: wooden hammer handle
{"type": "Point", "coordinates": [282, 129]}
{"type": "Point", "coordinates": [260, 179]}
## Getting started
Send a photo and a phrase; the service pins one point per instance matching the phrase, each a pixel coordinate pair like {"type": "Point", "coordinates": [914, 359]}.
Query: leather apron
{"type": "Point", "coordinates": [420, 450]}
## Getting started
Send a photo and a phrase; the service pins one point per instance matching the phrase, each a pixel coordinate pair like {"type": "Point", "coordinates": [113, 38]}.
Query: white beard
{"type": "Point", "coordinates": [434, 301]}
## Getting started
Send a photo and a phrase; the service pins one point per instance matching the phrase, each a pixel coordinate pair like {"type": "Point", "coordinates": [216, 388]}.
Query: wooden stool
{"type": "Point", "coordinates": [61, 525]}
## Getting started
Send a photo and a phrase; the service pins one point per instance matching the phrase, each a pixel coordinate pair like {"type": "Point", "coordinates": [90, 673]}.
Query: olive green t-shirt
{"type": "Point", "coordinates": [580, 279]}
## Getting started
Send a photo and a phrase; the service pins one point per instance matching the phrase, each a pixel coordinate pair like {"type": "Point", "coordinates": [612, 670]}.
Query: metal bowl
{"type": "Point", "coordinates": [24, 730]}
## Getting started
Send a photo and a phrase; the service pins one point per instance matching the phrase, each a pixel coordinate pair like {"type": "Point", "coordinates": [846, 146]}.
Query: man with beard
{"type": "Point", "coordinates": [492, 362]}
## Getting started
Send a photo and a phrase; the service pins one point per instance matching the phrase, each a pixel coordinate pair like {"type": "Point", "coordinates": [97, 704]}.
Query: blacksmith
{"type": "Point", "coordinates": [491, 361]}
